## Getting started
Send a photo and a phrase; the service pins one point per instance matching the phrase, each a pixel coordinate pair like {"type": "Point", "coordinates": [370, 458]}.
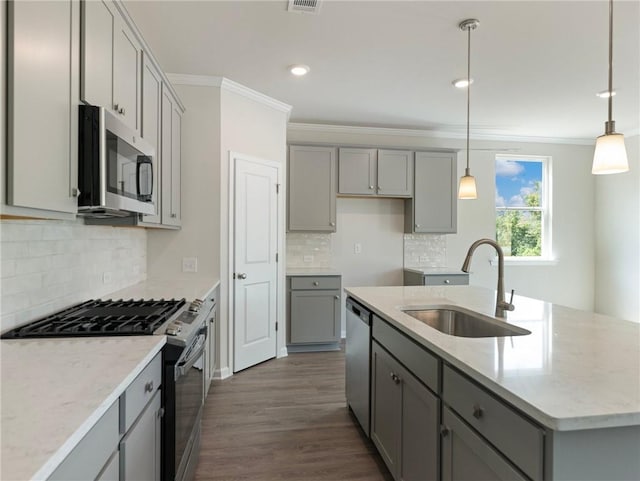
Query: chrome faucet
{"type": "Point", "coordinates": [501, 304]}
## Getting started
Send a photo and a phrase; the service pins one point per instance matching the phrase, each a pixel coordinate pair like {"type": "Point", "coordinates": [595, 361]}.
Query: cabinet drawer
{"type": "Point", "coordinates": [503, 426]}
{"type": "Point", "coordinates": [447, 280]}
{"type": "Point", "coordinates": [315, 282]}
{"type": "Point", "coordinates": [140, 392]}
{"type": "Point", "coordinates": [415, 358]}
{"type": "Point", "coordinates": [88, 458]}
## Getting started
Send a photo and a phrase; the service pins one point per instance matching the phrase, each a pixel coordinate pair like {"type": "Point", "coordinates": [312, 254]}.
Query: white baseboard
{"type": "Point", "coordinates": [344, 334]}
{"type": "Point", "coordinates": [283, 352]}
{"type": "Point", "coordinates": [223, 373]}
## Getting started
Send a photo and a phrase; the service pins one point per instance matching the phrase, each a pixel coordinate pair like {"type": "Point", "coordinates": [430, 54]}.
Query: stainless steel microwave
{"type": "Point", "coordinates": [115, 167]}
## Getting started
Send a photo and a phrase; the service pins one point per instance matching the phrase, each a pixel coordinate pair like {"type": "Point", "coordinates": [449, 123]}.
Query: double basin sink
{"type": "Point", "coordinates": [459, 323]}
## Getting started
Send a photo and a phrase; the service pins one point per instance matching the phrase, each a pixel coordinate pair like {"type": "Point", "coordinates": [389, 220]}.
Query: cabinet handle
{"type": "Point", "coordinates": [478, 412]}
{"type": "Point", "coordinates": [122, 111]}
{"type": "Point", "coordinates": [395, 378]}
{"type": "Point", "coordinates": [315, 283]}
{"type": "Point", "coordinates": [160, 412]}
{"type": "Point", "coordinates": [444, 431]}
{"type": "Point", "coordinates": [148, 387]}
{"type": "Point", "coordinates": [447, 281]}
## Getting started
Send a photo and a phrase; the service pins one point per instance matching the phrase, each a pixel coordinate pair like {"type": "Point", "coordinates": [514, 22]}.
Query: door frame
{"type": "Point", "coordinates": [281, 347]}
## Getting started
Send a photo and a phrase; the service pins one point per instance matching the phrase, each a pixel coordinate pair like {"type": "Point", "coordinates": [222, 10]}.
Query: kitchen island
{"type": "Point", "coordinates": [576, 376]}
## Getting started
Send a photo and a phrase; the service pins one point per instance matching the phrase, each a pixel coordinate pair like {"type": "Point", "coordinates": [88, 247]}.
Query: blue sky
{"type": "Point", "coordinates": [515, 179]}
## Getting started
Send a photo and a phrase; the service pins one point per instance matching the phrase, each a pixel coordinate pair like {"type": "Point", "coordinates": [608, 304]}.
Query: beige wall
{"type": "Point", "coordinates": [570, 282]}
{"type": "Point", "coordinates": [617, 286]}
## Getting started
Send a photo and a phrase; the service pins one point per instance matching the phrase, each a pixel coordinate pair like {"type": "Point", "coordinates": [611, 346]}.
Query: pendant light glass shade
{"type": "Point", "coordinates": [610, 156]}
{"type": "Point", "coordinates": [467, 188]}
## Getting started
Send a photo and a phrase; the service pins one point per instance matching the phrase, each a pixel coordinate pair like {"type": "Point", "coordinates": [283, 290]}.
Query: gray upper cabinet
{"type": "Point", "coordinates": [433, 208]}
{"type": "Point", "coordinates": [358, 171]}
{"type": "Point", "coordinates": [111, 62]}
{"type": "Point", "coordinates": [42, 134]}
{"type": "Point", "coordinates": [151, 126]}
{"type": "Point", "coordinates": [375, 172]}
{"type": "Point", "coordinates": [171, 159]}
{"type": "Point", "coordinates": [312, 189]}
{"type": "Point", "coordinates": [395, 173]}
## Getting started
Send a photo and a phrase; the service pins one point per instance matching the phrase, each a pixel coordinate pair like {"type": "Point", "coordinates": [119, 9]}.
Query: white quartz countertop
{"type": "Point", "coordinates": [576, 370]}
{"type": "Point", "coordinates": [313, 271]}
{"type": "Point", "coordinates": [188, 289]}
{"type": "Point", "coordinates": [55, 390]}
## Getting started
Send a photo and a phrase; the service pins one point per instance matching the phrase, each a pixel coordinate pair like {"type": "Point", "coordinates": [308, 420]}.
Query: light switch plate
{"type": "Point", "coordinates": [357, 248]}
{"type": "Point", "coordinates": [189, 264]}
{"type": "Point", "coordinates": [307, 259]}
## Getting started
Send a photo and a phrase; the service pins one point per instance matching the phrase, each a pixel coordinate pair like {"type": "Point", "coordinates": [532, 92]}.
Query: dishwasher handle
{"type": "Point", "coordinates": [358, 310]}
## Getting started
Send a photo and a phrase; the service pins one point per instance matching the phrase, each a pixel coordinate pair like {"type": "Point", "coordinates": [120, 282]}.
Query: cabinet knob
{"type": "Point", "coordinates": [478, 412]}
{"type": "Point", "coordinates": [116, 107]}
{"type": "Point", "coordinates": [332, 224]}
{"type": "Point", "coordinates": [395, 378]}
{"type": "Point", "coordinates": [336, 297]}
{"type": "Point", "coordinates": [122, 111]}
{"type": "Point", "coordinates": [444, 431]}
{"type": "Point", "coordinates": [316, 283]}
{"type": "Point", "coordinates": [173, 216]}
{"type": "Point", "coordinates": [417, 226]}
{"type": "Point", "coordinates": [370, 187]}
{"type": "Point", "coordinates": [148, 387]}
{"type": "Point", "coordinates": [447, 281]}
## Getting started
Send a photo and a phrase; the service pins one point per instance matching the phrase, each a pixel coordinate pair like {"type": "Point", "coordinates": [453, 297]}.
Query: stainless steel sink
{"type": "Point", "coordinates": [462, 324]}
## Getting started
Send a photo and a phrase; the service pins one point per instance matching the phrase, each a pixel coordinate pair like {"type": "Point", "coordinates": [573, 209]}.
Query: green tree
{"type": "Point", "coordinates": [519, 232]}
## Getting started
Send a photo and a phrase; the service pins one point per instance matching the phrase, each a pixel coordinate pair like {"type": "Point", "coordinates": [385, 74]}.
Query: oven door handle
{"type": "Point", "coordinates": [183, 366]}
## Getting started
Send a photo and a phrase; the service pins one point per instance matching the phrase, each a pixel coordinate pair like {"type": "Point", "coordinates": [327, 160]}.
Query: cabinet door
{"type": "Point", "coordinates": [420, 437]}
{"type": "Point", "coordinates": [465, 455]}
{"type": "Point", "coordinates": [127, 55]}
{"type": "Point", "coordinates": [98, 25]}
{"type": "Point", "coordinates": [43, 74]}
{"type": "Point", "coordinates": [170, 159]}
{"type": "Point", "coordinates": [357, 171]}
{"type": "Point", "coordinates": [386, 407]}
{"type": "Point", "coordinates": [395, 173]}
{"type": "Point", "coordinates": [434, 199]}
{"type": "Point", "coordinates": [140, 447]}
{"type": "Point", "coordinates": [151, 125]}
{"type": "Point", "coordinates": [315, 317]}
{"type": "Point", "coordinates": [312, 189]}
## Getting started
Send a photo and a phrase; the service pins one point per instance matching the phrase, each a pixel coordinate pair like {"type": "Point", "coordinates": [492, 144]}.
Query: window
{"type": "Point", "coordinates": [523, 186]}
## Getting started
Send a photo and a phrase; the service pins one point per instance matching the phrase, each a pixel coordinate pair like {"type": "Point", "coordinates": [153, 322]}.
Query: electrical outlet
{"type": "Point", "coordinates": [307, 259]}
{"type": "Point", "coordinates": [357, 248]}
{"type": "Point", "coordinates": [106, 278]}
{"type": "Point", "coordinates": [189, 264]}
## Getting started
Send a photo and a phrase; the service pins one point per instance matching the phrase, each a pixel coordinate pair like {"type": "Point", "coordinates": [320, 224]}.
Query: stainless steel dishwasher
{"type": "Point", "coordinates": [358, 356]}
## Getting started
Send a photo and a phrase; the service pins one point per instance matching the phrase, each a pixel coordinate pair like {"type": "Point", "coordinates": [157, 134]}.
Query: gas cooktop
{"type": "Point", "coordinates": [102, 318]}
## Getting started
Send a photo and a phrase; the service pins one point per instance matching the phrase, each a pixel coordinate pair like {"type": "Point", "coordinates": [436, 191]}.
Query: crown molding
{"type": "Point", "coordinates": [231, 86]}
{"type": "Point", "coordinates": [437, 134]}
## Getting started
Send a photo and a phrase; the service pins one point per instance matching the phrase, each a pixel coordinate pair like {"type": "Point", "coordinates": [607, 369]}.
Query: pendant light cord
{"type": "Point", "coordinates": [468, 90]}
{"type": "Point", "coordinates": [609, 128]}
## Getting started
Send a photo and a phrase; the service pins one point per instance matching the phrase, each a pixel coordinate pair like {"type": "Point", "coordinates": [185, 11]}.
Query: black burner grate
{"type": "Point", "coordinates": [101, 318]}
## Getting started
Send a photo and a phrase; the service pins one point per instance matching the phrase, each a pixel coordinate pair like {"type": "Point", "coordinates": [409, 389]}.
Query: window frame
{"type": "Point", "coordinates": [546, 209]}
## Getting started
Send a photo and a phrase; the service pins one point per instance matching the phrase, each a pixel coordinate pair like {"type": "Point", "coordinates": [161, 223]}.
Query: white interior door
{"type": "Point", "coordinates": [255, 268]}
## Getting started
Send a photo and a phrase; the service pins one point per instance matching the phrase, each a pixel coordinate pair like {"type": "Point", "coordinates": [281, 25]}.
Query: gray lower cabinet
{"type": "Point", "coordinates": [417, 277]}
{"type": "Point", "coordinates": [311, 204]}
{"type": "Point", "coordinates": [466, 456]}
{"type": "Point", "coordinates": [404, 419]}
{"type": "Point", "coordinates": [314, 310]}
{"type": "Point", "coordinates": [433, 208]}
{"type": "Point", "coordinates": [140, 447]}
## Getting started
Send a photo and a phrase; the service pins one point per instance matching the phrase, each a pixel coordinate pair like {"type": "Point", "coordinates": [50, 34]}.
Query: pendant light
{"type": "Point", "coordinates": [467, 188]}
{"type": "Point", "coordinates": [610, 156]}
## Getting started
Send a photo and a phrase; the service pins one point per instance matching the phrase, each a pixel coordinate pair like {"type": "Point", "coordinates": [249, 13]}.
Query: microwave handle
{"type": "Point", "coordinates": [144, 159]}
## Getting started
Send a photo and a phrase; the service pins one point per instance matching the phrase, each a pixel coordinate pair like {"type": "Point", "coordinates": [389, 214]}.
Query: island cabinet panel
{"type": "Point", "coordinates": [514, 435]}
{"type": "Point", "coordinates": [311, 205]}
{"type": "Point", "coordinates": [466, 456]}
{"type": "Point", "coordinates": [404, 419]}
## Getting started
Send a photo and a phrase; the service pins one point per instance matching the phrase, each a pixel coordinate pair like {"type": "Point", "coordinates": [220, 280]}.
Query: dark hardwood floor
{"type": "Point", "coordinates": [285, 419]}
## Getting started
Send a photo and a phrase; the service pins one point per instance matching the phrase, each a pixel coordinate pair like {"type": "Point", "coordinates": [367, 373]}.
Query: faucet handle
{"type": "Point", "coordinates": [510, 306]}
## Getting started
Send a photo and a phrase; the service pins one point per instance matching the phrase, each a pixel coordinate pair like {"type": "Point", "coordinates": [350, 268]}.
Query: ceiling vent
{"type": "Point", "coordinates": [304, 6]}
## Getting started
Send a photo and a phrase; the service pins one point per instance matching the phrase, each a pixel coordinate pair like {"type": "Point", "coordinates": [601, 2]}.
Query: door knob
{"type": "Point", "coordinates": [242, 276]}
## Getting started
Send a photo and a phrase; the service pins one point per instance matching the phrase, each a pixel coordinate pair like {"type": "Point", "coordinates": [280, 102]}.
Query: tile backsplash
{"type": "Point", "coordinates": [309, 250]}
{"type": "Point", "coordinates": [425, 250]}
{"type": "Point", "coordinates": [49, 265]}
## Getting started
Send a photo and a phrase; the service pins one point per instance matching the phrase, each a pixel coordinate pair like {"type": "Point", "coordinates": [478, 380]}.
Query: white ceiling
{"type": "Point", "coordinates": [537, 64]}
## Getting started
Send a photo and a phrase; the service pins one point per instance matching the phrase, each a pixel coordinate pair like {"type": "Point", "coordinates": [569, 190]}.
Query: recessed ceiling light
{"type": "Point", "coordinates": [605, 94]}
{"type": "Point", "coordinates": [299, 70]}
{"type": "Point", "coordinates": [461, 83]}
